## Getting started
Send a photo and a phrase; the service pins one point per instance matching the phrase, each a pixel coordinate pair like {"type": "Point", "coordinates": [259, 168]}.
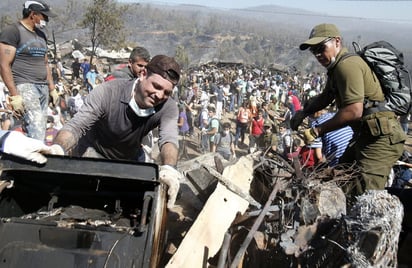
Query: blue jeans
{"type": "Point", "coordinates": [232, 103]}
{"type": "Point", "coordinates": [240, 132]}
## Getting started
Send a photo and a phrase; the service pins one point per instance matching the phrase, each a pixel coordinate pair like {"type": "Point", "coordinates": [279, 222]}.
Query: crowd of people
{"type": "Point", "coordinates": [230, 108]}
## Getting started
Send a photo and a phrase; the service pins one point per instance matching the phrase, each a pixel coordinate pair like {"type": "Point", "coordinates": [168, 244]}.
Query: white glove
{"type": "Point", "coordinates": [17, 144]}
{"type": "Point", "coordinates": [204, 131]}
{"type": "Point", "coordinates": [171, 177]}
{"type": "Point", "coordinates": [56, 149]}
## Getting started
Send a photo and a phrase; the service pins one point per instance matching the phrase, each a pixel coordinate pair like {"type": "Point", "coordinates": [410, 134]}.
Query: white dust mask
{"type": "Point", "coordinates": [138, 111]}
{"type": "Point", "coordinates": [41, 25]}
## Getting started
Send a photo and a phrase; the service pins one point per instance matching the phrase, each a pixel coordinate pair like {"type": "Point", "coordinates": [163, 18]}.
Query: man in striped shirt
{"type": "Point", "coordinates": [335, 142]}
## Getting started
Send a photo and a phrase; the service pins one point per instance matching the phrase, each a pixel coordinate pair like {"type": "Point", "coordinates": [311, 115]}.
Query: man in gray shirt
{"type": "Point", "coordinates": [117, 114]}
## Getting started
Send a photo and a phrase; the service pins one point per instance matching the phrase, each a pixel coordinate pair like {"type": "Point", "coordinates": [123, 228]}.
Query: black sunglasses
{"type": "Point", "coordinates": [172, 76]}
{"type": "Point", "coordinates": [318, 49]}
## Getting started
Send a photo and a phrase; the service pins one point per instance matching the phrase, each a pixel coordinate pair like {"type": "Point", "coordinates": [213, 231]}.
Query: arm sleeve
{"type": "Point", "coordinates": [168, 130]}
{"type": "Point", "coordinates": [90, 112]}
{"type": "Point", "coordinates": [10, 36]}
{"type": "Point", "coordinates": [350, 82]}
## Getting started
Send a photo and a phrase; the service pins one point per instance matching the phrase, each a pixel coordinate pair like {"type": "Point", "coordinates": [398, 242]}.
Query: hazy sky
{"type": "Point", "coordinates": [395, 11]}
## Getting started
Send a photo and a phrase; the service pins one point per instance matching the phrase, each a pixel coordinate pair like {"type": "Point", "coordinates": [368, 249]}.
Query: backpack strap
{"type": "Point", "coordinates": [369, 107]}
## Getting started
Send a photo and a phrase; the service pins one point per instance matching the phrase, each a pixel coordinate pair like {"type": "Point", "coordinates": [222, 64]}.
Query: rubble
{"type": "Point", "coordinates": [270, 215]}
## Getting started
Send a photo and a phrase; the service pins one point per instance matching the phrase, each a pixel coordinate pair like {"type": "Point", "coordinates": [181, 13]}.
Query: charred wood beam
{"type": "Point", "coordinates": [232, 187]}
{"type": "Point", "coordinates": [255, 227]}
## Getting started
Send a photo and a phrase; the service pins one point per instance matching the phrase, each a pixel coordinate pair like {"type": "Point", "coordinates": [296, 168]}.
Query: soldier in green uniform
{"type": "Point", "coordinates": [270, 139]}
{"type": "Point", "coordinates": [378, 140]}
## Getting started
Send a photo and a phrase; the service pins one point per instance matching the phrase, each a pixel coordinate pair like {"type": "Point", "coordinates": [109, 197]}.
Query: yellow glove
{"type": "Point", "coordinates": [54, 96]}
{"type": "Point", "coordinates": [16, 103]}
{"type": "Point", "coordinates": [309, 135]}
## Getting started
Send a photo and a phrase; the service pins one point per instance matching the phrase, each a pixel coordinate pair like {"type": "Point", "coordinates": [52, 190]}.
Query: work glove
{"type": "Point", "coordinates": [17, 144]}
{"type": "Point", "coordinates": [56, 149]}
{"type": "Point", "coordinates": [297, 119]}
{"type": "Point", "coordinates": [54, 96]}
{"type": "Point", "coordinates": [16, 103]}
{"type": "Point", "coordinates": [171, 177]}
{"type": "Point", "coordinates": [309, 135]}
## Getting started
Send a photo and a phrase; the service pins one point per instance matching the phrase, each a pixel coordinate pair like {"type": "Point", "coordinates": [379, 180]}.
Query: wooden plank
{"type": "Point", "coordinates": [206, 235]}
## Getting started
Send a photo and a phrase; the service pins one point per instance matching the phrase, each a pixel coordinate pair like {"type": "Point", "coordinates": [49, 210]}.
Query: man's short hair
{"type": "Point", "coordinates": [226, 125]}
{"type": "Point", "coordinates": [139, 52]}
{"type": "Point", "coordinates": [50, 119]}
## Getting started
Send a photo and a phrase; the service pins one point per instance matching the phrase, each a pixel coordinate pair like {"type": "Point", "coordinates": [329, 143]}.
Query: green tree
{"type": "Point", "coordinates": [103, 18]}
{"type": "Point", "coordinates": [181, 57]}
{"type": "Point", "coordinates": [4, 21]}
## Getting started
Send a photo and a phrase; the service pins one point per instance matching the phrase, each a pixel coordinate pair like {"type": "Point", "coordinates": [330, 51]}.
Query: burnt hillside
{"type": "Point", "coordinates": [263, 35]}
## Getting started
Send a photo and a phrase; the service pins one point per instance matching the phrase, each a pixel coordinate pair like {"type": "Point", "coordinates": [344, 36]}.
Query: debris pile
{"type": "Point", "coordinates": [294, 218]}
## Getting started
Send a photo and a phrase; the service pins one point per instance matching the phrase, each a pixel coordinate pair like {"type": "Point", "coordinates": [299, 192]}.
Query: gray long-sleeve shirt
{"type": "Point", "coordinates": [108, 124]}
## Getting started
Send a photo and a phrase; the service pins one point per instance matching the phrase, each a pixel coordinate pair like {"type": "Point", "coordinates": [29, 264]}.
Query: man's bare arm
{"type": "Point", "coordinates": [7, 54]}
{"type": "Point", "coordinates": [168, 154]}
{"type": "Point", "coordinates": [66, 140]}
{"type": "Point", "coordinates": [49, 78]}
{"type": "Point", "coordinates": [346, 115]}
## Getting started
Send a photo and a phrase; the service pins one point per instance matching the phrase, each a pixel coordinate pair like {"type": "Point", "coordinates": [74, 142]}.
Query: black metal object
{"type": "Point", "coordinates": [81, 212]}
{"type": "Point", "coordinates": [255, 227]}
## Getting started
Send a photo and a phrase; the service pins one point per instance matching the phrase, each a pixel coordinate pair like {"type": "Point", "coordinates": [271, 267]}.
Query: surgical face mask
{"type": "Point", "coordinates": [49, 125]}
{"type": "Point", "coordinates": [138, 111]}
{"type": "Point", "coordinates": [226, 132]}
{"type": "Point", "coordinates": [41, 25]}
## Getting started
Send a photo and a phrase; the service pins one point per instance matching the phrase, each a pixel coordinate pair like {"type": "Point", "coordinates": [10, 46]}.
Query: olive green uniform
{"type": "Point", "coordinates": [269, 140]}
{"type": "Point", "coordinates": [378, 139]}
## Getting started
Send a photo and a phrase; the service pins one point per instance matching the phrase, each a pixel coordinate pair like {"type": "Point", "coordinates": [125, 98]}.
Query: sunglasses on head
{"type": "Point", "coordinates": [171, 75]}
{"type": "Point", "coordinates": [318, 49]}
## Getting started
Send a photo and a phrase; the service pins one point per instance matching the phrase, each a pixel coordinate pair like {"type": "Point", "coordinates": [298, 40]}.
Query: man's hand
{"type": "Point", "coordinates": [297, 119]}
{"type": "Point", "coordinates": [54, 96]}
{"type": "Point", "coordinates": [17, 144]}
{"type": "Point", "coordinates": [171, 177]}
{"type": "Point", "coordinates": [16, 103]}
{"type": "Point", "coordinates": [310, 135]}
